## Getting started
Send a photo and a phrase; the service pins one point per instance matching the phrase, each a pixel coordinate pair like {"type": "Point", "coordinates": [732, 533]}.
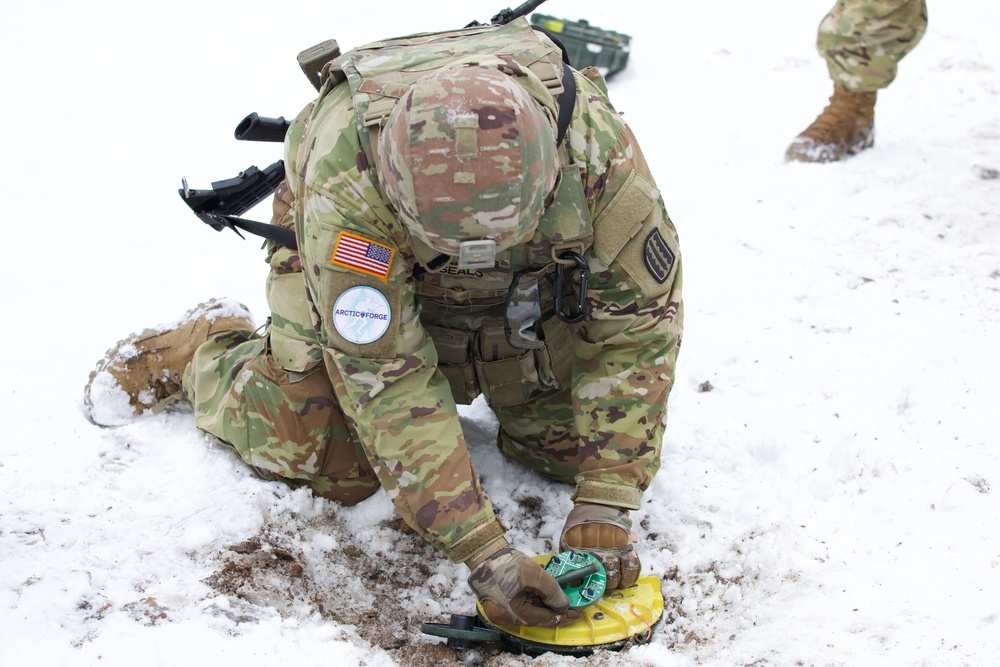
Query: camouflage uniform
{"type": "Point", "coordinates": [864, 40]}
{"type": "Point", "coordinates": [338, 381]}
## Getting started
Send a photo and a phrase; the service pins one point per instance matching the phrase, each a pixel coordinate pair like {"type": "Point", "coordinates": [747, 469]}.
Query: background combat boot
{"type": "Point", "coordinates": [846, 126]}
{"type": "Point", "coordinates": [144, 371]}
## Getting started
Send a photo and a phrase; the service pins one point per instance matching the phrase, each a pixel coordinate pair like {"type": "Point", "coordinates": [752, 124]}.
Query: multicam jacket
{"type": "Point", "coordinates": [405, 336]}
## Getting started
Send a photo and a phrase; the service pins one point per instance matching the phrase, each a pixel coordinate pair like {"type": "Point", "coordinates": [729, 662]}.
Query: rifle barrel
{"type": "Point", "coordinates": [508, 15]}
{"type": "Point", "coordinates": [527, 7]}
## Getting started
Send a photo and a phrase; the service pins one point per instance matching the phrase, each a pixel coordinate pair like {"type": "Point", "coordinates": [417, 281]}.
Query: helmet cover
{"type": "Point", "coordinates": [468, 154]}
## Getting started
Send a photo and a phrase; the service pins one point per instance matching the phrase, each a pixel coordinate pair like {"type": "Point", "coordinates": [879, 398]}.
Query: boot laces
{"type": "Point", "coordinates": [167, 389]}
{"type": "Point", "coordinates": [840, 120]}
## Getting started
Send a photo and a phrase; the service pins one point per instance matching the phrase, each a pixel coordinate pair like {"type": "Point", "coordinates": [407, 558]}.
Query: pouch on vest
{"type": "Point", "coordinates": [291, 337]}
{"type": "Point", "coordinates": [507, 376]}
{"type": "Point", "coordinates": [527, 329]}
{"type": "Point", "coordinates": [454, 349]}
{"type": "Point", "coordinates": [555, 360]}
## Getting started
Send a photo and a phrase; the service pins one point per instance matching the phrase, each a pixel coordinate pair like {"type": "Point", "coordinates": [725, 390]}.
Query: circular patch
{"type": "Point", "coordinates": [361, 315]}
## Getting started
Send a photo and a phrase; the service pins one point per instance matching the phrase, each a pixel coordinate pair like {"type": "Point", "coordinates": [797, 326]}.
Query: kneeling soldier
{"type": "Point", "coordinates": [472, 217]}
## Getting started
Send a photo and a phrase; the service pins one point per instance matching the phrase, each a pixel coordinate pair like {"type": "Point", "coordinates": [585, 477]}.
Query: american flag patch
{"type": "Point", "coordinates": [364, 255]}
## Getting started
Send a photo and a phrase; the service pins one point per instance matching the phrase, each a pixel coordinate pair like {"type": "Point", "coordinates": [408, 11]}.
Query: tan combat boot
{"type": "Point", "coordinates": [144, 371]}
{"type": "Point", "coordinates": [846, 127]}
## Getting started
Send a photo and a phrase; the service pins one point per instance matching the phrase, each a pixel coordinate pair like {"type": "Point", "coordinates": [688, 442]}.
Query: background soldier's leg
{"type": "Point", "coordinates": [864, 40]}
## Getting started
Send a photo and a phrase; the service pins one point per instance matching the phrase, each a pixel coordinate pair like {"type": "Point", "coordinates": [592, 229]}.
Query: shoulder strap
{"type": "Point", "coordinates": [566, 101]}
{"type": "Point", "coordinates": [281, 235]}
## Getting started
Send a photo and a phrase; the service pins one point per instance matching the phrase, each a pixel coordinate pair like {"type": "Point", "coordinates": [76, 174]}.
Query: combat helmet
{"type": "Point", "coordinates": [468, 155]}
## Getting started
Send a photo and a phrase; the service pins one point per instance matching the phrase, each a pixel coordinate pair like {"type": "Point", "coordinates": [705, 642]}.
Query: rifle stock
{"type": "Point", "coordinates": [221, 206]}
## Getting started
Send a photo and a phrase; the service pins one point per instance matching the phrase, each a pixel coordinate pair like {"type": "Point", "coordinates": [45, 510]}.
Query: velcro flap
{"type": "Point", "coordinates": [623, 217]}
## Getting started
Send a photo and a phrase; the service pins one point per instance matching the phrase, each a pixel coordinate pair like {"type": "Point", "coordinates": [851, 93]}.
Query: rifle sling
{"type": "Point", "coordinates": [566, 100]}
{"type": "Point", "coordinates": [285, 237]}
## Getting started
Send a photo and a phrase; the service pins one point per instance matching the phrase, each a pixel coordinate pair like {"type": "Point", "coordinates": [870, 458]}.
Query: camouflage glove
{"type": "Point", "coordinates": [605, 532]}
{"type": "Point", "coordinates": [515, 590]}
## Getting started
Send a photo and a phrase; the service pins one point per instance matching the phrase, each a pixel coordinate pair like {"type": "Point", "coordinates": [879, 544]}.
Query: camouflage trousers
{"type": "Point", "coordinates": [864, 40]}
{"type": "Point", "coordinates": [542, 435]}
{"type": "Point", "coordinates": [285, 425]}
{"type": "Point", "coordinates": [289, 427]}
{"type": "Point", "coordinates": [270, 398]}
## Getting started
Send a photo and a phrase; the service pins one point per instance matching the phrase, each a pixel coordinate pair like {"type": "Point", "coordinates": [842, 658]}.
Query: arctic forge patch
{"type": "Point", "coordinates": [361, 315]}
{"type": "Point", "coordinates": [364, 255]}
{"type": "Point", "coordinates": [658, 256]}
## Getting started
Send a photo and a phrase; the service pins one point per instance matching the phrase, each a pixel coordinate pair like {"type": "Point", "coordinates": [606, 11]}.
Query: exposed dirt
{"type": "Point", "coordinates": [268, 571]}
{"type": "Point", "coordinates": [375, 592]}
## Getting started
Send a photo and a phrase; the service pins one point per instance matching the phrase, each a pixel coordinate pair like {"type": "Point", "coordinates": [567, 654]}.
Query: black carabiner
{"type": "Point", "coordinates": [582, 306]}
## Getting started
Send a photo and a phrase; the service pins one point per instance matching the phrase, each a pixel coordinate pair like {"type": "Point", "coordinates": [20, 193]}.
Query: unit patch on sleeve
{"type": "Point", "coordinates": [364, 255]}
{"type": "Point", "coordinates": [658, 256]}
{"type": "Point", "coordinates": [361, 315]}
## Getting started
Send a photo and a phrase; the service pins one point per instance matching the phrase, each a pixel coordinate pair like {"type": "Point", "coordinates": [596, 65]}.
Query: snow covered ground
{"type": "Point", "coordinates": [834, 499]}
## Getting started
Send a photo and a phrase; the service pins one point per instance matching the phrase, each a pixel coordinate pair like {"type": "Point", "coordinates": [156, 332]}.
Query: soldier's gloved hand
{"type": "Point", "coordinates": [515, 590]}
{"type": "Point", "coordinates": [605, 532]}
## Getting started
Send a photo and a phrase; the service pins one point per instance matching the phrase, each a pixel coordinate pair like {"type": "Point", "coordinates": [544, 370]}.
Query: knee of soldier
{"type": "Point", "coordinates": [290, 425]}
{"type": "Point", "coordinates": [556, 458]}
{"type": "Point", "coordinates": [347, 490]}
